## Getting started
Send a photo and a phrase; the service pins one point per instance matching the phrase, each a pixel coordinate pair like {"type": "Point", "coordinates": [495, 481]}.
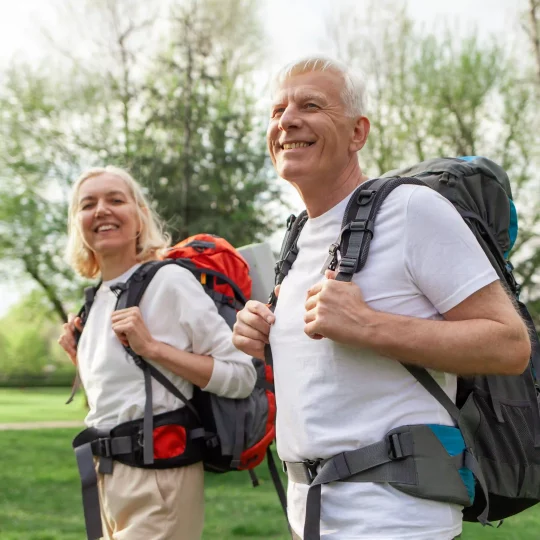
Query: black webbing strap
{"type": "Point", "coordinates": [276, 479]}
{"type": "Point", "coordinates": [89, 297]}
{"type": "Point", "coordinates": [359, 218]}
{"type": "Point", "coordinates": [289, 251]}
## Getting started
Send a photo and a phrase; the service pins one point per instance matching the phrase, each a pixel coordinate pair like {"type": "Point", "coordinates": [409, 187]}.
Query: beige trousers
{"type": "Point", "coordinates": [152, 504]}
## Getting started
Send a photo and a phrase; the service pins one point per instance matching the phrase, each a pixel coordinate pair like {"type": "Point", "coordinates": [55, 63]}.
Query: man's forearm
{"type": "Point", "coordinates": [477, 346]}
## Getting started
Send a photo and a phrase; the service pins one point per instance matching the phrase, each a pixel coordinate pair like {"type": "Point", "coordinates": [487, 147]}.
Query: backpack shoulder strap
{"type": "Point", "coordinates": [289, 250]}
{"type": "Point", "coordinates": [130, 295]}
{"type": "Point", "coordinates": [358, 225]}
{"type": "Point", "coordinates": [89, 296]}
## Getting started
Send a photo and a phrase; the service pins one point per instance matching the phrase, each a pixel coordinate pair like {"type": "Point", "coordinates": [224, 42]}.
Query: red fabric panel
{"type": "Point", "coordinates": [169, 441]}
{"type": "Point", "coordinates": [269, 374]}
{"type": "Point", "coordinates": [253, 456]}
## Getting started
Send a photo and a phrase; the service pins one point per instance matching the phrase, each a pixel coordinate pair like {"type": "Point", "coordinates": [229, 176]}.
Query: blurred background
{"type": "Point", "coordinates": [177, 91]}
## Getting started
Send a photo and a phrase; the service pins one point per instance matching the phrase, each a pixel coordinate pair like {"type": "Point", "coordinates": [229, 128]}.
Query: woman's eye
{"type": "Point", "coordinates": [278, 111]}
{"type": "Point", "coordinates": [311, 106]}
{"type": "Point", "coordinates": [118, 201]}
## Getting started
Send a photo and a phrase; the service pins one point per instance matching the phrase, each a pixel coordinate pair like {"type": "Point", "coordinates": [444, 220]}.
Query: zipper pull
{"type": "Point", "coordinates": [332, 259]}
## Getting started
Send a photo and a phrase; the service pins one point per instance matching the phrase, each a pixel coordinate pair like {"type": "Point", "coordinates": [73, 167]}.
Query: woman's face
{"type": "Point", "coordinates": [108, 216]}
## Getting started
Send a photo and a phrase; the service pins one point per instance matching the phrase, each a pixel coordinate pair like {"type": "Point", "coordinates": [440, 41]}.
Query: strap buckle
{"type": "Point", "coordinates": [395, 451]}
{"type": "Point", "coordinates": [365, 195]}
{"type": "Point", "coordinates": [347, 265]}
{"type": "Point", "coordinates": [104, 447]}
{"type": "Point", "coordinates": [361, 225]}
{"type": "Point", "coordinates": [310, 469]}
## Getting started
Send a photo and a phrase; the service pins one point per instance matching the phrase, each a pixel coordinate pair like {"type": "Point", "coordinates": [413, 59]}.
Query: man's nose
{"type": "Point", "coordinates": [290, 119]}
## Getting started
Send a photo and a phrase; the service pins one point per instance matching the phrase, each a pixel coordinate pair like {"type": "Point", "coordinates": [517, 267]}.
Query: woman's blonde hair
{"type": "Point", "coordinates": [152, 241]}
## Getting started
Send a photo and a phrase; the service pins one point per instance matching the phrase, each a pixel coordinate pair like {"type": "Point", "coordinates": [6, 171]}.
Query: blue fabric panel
{"type": "Point", "coordinates": [454, 444]}
{"type": "Point", "coordinates": [513, 228]}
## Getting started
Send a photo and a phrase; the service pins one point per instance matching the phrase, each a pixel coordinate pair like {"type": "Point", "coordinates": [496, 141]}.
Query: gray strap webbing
{"type": "Point", "coordinates": [430, 384]}
{"type": "Point", "coordinates": [148, 421]}
{"type": "Point", "coordinates": [197, 433]}
{"type": "Point", "coordinates": [373, 463]}
{"type": "Point", "coordinates": [75, 387]}
{"type": "Point", "coordinates": [241, 410]}
{"type": "Point", "coordinates": [90, 495]}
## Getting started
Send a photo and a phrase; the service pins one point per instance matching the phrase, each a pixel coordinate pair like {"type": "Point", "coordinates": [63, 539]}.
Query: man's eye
{"type": "Point", "coordinates": [311, 106]}
{"type": "Point", "coordinates": [278, 111]}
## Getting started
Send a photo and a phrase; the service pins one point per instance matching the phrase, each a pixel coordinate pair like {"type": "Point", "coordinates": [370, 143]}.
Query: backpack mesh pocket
{"type": "Point", "coordinates": [510, 441]}
{"type": "Point", "coordinates": [506, 449]}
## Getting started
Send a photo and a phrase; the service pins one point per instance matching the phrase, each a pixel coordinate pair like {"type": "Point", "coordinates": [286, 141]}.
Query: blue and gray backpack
{"type": "Point", "coordinates": [490, 462]}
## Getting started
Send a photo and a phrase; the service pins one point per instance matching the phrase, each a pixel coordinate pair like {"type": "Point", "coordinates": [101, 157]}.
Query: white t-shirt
{"type": "Point", "coordinates": [176, 311]}
{"type": "Point", "coordinates": [331, 398]}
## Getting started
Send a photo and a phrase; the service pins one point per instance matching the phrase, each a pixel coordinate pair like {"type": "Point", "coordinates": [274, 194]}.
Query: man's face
{"type": "Point", "coordinates": [309, 135]}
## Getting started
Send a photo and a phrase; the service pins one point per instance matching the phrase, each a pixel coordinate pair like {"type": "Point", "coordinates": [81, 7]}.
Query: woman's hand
{"type": "Point", "coordinates": [67, 338]}
{"type": "Point", "coordinates": [129, 327]}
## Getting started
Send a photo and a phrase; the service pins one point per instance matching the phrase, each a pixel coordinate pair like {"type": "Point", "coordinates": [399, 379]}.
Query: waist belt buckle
{"type": "Point", "coordinates": [104, 446]}
{"type": "Point", "coordinates": [310, 469]}
{"type": "Point", "coordinates": [395, 451]}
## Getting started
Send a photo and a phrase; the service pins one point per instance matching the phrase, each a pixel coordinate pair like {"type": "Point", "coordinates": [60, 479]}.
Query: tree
{"type": "Point", "coordinates": [180, 115]}
{"type": "Point", "coordinates": [34, 163]}
{"type": "Point", "coordinates": [200, 113]}
{"type": "Point", "coordinates": [435, 95]}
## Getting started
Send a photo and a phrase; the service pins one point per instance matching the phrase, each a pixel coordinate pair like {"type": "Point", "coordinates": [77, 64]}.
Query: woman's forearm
{"type": "Point", "coordinates": [195, 368]}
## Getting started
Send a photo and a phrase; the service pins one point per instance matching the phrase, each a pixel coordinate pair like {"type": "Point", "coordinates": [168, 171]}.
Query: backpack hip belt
{"type": "Point", "coordinates": [178, 441]}
{"type": "Point", "coordinates": [426, 461]}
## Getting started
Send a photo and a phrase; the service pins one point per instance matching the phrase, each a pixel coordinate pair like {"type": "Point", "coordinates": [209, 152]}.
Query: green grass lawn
{"type": "Point", "coordinates": [39, 405]}
{"type": "Point", "coordinates": [40, 493]}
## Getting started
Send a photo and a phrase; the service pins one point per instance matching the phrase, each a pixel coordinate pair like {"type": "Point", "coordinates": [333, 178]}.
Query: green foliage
{"type": "Point", "coordinates": [28, 345]}
{"type": "Point", "coordinates": [440, 94]}
{"type": "Point", "coordinates": [182, 117]}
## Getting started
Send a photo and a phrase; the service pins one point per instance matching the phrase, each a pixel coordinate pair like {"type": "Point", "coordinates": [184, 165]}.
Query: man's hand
{"type": "Point", "coordinates": [129, 327]}
{"type": "Point", "coordinates": [67, 338]}
{"type": "Point", "coordinates": [252, 328]}
{"type": "Point", "coordinates": [336, 310]}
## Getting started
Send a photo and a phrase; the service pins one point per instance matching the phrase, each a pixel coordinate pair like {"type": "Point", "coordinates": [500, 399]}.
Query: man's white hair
{"type": "Point", "coordinates": [354, 93]}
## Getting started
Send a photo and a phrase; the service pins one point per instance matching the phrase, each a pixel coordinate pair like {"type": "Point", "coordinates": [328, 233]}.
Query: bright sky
{"type": "Point", "coordinates": [294, 27]}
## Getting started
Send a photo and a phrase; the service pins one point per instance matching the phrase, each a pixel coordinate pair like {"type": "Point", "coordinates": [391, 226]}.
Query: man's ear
{"type": "Point", "coordinates": [360, 133]}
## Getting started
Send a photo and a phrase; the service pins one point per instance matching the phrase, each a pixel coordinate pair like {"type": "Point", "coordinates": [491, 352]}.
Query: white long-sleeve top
{"type": "Point", "coordinates": [176, 311]}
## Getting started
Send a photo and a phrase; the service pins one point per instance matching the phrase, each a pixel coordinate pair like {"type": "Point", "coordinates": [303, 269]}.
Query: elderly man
{"type": "Point", "coordinates": [338, 347]}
